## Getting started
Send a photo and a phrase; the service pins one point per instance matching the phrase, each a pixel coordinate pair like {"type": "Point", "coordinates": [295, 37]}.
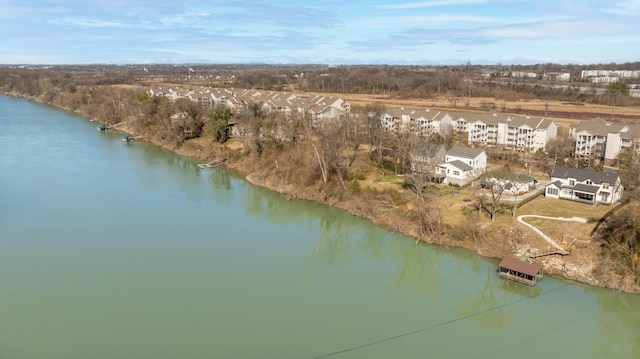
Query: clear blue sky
{"type": "Point", "coordinates": [327, 32]}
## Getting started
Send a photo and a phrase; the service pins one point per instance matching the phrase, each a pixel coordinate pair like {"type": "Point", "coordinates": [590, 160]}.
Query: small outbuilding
{"type": "Point", "coordinates": [520, 271]}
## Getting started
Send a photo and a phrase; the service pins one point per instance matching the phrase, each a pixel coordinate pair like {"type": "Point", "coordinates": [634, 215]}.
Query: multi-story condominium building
{"type": "Point", "coordinates": [419, 122]}
{"type": "Point", "coordinates": [600, 140]}
{"type": "Point", "coordinates": [423, 122]}
{"type": "Point", "coordinates": [521, 133]}
{"type": "Point", "coordinates": [319, 108]}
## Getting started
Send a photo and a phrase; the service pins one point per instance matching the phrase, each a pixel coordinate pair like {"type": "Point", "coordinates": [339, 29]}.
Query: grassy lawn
{"type": "Point", "coordinates": [452, 208]}
{"type": "Point", "coordinates": [559, 230]}
{"type": "Point", "coordinates": [454, 201]}
{"type": "Point", "coordinates": [544, 206]}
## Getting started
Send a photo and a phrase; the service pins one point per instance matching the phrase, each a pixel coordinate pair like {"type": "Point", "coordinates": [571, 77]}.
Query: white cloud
{"type": "Point", "coordinates": [404, 21]}
{"type": "Point", "coordinates": [627, 7]}
{"type": "Point", "coordinates": [422, 4]}
{"type": "Point", "coordinates": [94, 23]}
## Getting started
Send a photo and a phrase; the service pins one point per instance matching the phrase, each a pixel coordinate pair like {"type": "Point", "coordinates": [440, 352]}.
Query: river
{"type": "Point", "coordinates": [116, 250]}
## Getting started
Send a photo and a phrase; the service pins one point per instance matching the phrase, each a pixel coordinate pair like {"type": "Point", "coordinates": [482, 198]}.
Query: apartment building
{"type": "Point", "coordinates": [601, 140]}
{"type": "Point", "coordinates": [521, 133]}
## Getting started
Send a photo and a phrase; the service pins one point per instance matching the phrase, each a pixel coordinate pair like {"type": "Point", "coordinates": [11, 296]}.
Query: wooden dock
{"type": "Point", "coordinates": [520, 271]}
{"type": "Point", "coordinates": [517, 278]}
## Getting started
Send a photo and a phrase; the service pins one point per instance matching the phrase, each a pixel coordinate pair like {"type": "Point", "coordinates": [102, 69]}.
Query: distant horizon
{"type": "Point", "coordinates": [344, 32]}
{"type": "Point", "coordinates": [317, 64]}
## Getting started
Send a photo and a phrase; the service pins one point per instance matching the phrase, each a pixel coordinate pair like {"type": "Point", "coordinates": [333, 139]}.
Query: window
{"type": "Point", "coordinates": [572, 182]}
{"type": "Point", "coordinates": [588, 181]}
{"type": "Point", "coordinates": [605, 185]}
{"type": "Point", "coordinates": [584, 196]}
{"type": "Point", "coordinates": [552, 191]}
{"type": "Point", "coordinates": [456, 173]}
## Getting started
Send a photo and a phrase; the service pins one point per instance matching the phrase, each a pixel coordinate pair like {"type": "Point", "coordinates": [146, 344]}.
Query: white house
{"type": "Point", "coordinates": [462, 165]}
{"type": "Point", "coordinates": [584, 185]}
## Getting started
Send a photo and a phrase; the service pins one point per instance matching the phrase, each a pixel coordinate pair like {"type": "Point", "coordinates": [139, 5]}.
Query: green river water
{"type": "Point", "coordinates": [115, 250]}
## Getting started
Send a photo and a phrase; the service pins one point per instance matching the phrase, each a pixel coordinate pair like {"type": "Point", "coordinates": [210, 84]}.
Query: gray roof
{"type": "Point", "coordinates": [460, 165]}
{"type": "Point", "coordinates": [465, 152]}
{"type": "Point", "coordinates": [557, 184]}
{"type": "Point", "coordinates": [511, 120]}
{"type": "Point", "coordinates": [489, 118]}
{"type": "Point", "coordinates": [586, 188]}
{"type": "Point", "coordinates": [585, 174]}
{"type": "Point", "coordinates": [598, 127]}
{"type": "Point", "coordinates": [398, 112]}
{"type": "Point", "coordinates": [429, 149]}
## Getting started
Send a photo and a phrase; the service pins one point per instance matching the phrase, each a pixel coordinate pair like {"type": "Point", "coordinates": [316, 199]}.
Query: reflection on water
{"type": "Point", "coordinates": [333, 246]}
{"type": "Point", "coordinates": [618, 332]}
{"type": "Point", "coordinates": [488, 301]}
{"type": "Point", "coordinates": [220, 178]}
{"type": "Point", "coordinates": [342, 236]}
{"type": "Point", "coordinates": [419, 267]}
{"type": "Point", "coordinates": [520, 289]}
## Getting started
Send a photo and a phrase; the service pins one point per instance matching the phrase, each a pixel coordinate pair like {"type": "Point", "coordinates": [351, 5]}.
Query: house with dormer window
{"type": "Point", "coordinates": [462, 165]}
{"type": "Point", "coordinates": [584, 185]}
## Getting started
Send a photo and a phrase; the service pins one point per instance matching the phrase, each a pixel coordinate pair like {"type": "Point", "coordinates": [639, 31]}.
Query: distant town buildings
{"type": "Point", "coordinates": [595, 76]}
{"type": "Point", "coordinates": [557, 76]}
{"type": "Point", "coordinates": [546, 76]}
{"type": "Point", "coordinates": [606, 76]}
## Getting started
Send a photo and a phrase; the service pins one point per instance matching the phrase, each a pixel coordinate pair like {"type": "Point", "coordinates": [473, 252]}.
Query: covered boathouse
{"type": "Point", "coordinates": [520, 271]}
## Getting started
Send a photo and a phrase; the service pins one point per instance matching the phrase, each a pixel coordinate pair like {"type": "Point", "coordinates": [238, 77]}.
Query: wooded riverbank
{"type": "Point", "coordinates": [438, 216]}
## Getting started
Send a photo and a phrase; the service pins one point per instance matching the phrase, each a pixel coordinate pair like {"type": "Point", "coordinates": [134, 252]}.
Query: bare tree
{"type": "Point", "coordinates": [620, 236]}
{"type": "Point", "coordinates": [418, 169]}
{"type": "Point", "coordinates": [629, 164]}
{"type": "Point", "coordinates": [340, 145]}
{"type": "Point", "coordinates": [560, 148]}
{"type": "Point", "coordinates": [490, 191]}
{"type": "Point", "coordinates": [375, 133]}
